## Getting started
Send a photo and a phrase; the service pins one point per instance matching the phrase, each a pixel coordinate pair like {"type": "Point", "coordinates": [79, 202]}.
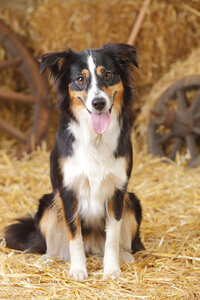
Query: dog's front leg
{"type": "Point", "coordinates": [113, 228]}
{"type": "Point", "coordinates": [78, 268]}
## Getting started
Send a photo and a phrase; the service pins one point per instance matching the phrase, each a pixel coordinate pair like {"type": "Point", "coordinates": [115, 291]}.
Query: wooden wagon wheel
{"type": "Point", "coordinates": [182, 123]}
{"type": "Point", "coordinates": [36, 83]}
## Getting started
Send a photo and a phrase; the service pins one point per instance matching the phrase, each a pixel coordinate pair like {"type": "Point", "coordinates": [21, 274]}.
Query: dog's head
{"type": "Point", "coordinates": [96, 80]}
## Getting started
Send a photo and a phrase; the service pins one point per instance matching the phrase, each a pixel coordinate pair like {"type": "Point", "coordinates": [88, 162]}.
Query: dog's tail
{"type": "Point", "coordinates": [25, 234]}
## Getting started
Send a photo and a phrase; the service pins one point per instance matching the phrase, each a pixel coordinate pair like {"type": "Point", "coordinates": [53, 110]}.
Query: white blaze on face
{"type": "Point", "coordinates": [94, 91]}
{"type": "Point", "coordinates": [100, 120]}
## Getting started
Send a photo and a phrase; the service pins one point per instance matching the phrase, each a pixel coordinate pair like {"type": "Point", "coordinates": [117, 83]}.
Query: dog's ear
{"type": "Point", "coordinates": [59, 65]}
{"type": "Point", "coordinates": [56, 62]}
{"type": "Point", "coordinates": [47, 61]}
{"type": "Point", "coordinates": [124, 54]}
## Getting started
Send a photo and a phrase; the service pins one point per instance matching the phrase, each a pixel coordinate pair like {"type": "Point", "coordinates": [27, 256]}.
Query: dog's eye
{"type": "Point", "coordinates": [107, 75]}
{"type": "Point", "coordinates": [81, 79]}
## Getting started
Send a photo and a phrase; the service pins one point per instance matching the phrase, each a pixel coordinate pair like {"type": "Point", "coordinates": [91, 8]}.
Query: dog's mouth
{"type": "Point", "coordinates": [100, 122]}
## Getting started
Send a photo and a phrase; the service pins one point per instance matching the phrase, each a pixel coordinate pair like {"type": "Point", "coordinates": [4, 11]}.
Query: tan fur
{"type": "Point", "coordinates": [52, 215]}
{"type": "Point", "coordinates": [94, 243]}
{"type": "Point", "coordinates": [116, 90]}
{"type": "Point", "coordinates": [76, 103]}
{"type": "Point", "coordinates": [85, 72]}
{"type": "Point", "coordinates": [60, 62]}
{"type": "Point", "coordinates": [131, 223]}
{"type": "Point", "coordinates": [53, 228]}
{"type": "Point", "coordinates": [100, 70]}
{"type": "Point", "coordinates": [127, 163]}
{"type": "Point", "coordinates": [48, 215]}
{"type": "Point", "coordinates": [59, 208]}
{"type": "Point", "coordinates": [78, 230]}
{"type": "Point", "coordinates": [62, 162]}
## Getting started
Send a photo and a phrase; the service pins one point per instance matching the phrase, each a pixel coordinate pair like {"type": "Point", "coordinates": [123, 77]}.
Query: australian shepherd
{"type": "Point", "coordinates": [89, 210]}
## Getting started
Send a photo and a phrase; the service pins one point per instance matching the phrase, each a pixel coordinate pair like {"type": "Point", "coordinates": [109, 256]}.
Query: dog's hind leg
{"type": "Point", "coordinates": [53, 229]}
{"type": "Point", "coordinates": [129, 238]}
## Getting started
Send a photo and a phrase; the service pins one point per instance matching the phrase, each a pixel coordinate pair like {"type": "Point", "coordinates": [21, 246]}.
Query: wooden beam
{"type": "Point", "coordinates": [15, 61]}
{"type": "Point", "coordinates": [11, 130]}
{"type": "Point", "coordinates": [17, 97]}
{"type": "Point", "coordinates": [138, 23]}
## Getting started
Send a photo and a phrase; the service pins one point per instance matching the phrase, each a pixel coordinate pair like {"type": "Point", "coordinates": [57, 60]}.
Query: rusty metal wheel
{"type": "Point", "coordinates": [38, 97]}
{"type": "Point", "coordinates": [175, 120]}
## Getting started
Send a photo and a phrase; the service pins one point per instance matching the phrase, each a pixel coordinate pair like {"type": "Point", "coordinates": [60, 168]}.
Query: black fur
{"type": "Point", "coordinates": [69, 203]}
{"type": "Point", "coordinates": [45, 202]}
{"type": "Point", "coordinates": [134, 204]}
{"type": "Point", "coordinates": [136, 207]}
{"type": "Point", "coordinates": [25, 236]}
{"type": "Point", "coordinates": [124, 143]}
{"type": "Point", "coordinates": [118, 203]}
{"type": "Point", "coordinates": [55, 169]}
{"type": "Point", "coordinates": [136, 243]}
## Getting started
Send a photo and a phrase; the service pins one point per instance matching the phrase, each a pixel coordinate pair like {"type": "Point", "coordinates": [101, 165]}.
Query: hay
{"type": "Point", "coordinates": [170, 266]}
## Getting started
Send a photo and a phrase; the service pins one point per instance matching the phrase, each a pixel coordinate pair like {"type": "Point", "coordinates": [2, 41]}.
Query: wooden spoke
{"type": "Point", "coordinates": [11, 130]}
{"type": "Point", "coordinates": [196, 130]}
{"type": "Point", "coordinates": [176, 147]}
{"type": "Point", "coordinates": [17, 97]}
{"type": "Point", "coordinates": [196, 103]}
{"type": "Point", "coordinates": [12, 62]}
{"type": "Point", "coordinates": [165, 138]}
{"type": "Point", "coordinates": [194, 162]}
{"type": "Point", "coordinates": [190, 140]}
{"type": "Point", "coordinates": [197, 116]}
{"type": "Point", "coordinates": [182, 101]}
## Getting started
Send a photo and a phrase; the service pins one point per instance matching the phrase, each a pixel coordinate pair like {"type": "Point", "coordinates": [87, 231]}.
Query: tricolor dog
{"type": "Point", "coordinates": [89, 210]}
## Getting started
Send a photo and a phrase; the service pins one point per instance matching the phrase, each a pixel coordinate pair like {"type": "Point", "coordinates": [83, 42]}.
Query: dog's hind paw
{"type": "Point", "coordinates": [126, 257]}
{"type": "Point", "coordinates": [46, 259]}
{"type": "Point", "coordinates": [78, 273]}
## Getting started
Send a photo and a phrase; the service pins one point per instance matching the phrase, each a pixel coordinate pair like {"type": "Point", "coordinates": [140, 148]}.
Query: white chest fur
{"type": "Point", "coordinates": [92, 171]}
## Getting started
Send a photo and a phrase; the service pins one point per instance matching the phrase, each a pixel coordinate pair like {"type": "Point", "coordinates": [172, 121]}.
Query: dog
{"type": "Point", "coordinates": [89, 210]}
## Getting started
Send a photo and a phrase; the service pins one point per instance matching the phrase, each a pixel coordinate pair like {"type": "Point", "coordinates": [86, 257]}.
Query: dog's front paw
{"type": "Point", "coordinates": [78, 273]}
{"type": "Point", "coordinates": [112, 272]}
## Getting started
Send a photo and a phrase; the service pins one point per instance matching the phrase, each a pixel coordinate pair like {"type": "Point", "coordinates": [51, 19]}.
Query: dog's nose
{"type": "Point", "coordinates": [99, 103]}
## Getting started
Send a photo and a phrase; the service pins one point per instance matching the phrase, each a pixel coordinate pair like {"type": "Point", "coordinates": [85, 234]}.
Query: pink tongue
{"type": "Point", "coordinates": [100, 122]}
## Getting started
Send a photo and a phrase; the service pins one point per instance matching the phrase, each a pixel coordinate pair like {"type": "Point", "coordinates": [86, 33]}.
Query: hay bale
{"type": "Point", "coordinates": [169, 32]}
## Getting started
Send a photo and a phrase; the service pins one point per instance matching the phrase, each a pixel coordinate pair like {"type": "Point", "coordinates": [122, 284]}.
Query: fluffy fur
{"type": "Point", "coordinates": [89, 209]}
